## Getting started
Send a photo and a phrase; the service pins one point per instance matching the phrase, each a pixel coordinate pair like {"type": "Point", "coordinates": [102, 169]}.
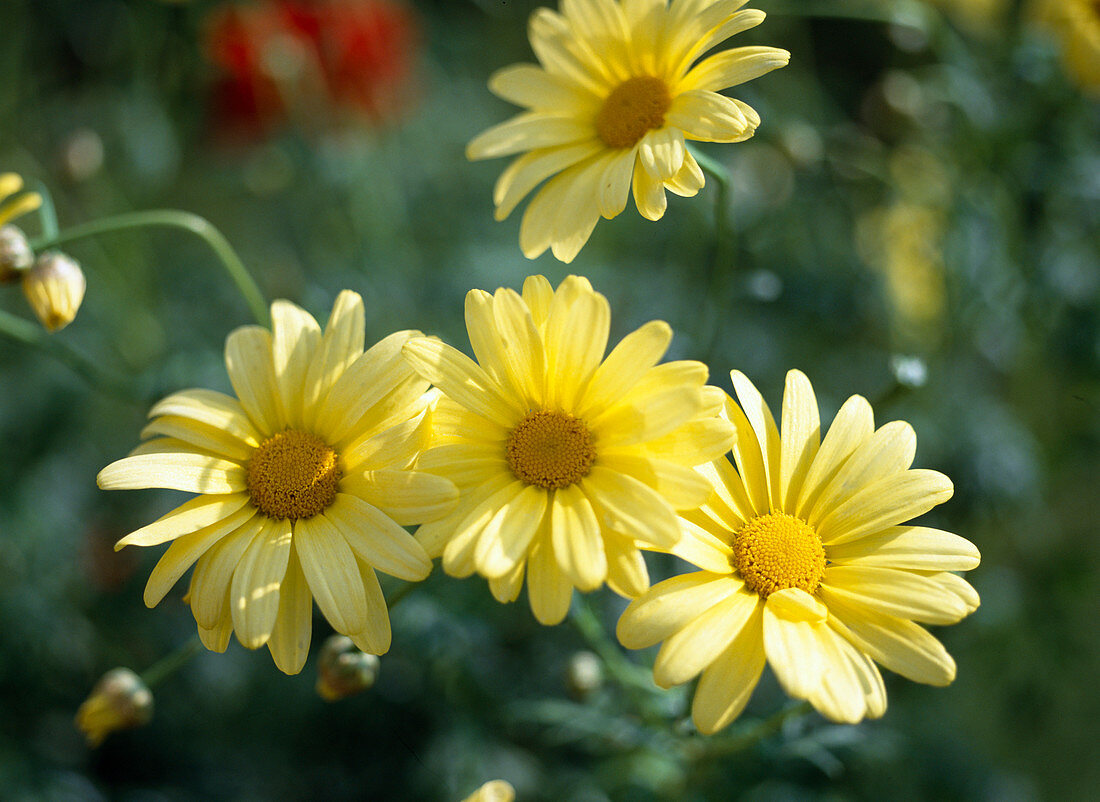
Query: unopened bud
{"type": "Point", "coordinates": [119, 701]}
{"type": "Point", "coordinates": [583, 674]}
{"type": "Point", "coordinates": [343, 670]}
{"type": "Point", "coordinates": [493, 791]}
{"type": "Point", "coordinates": [15, 254]}
{"type": "Point", "coordinates": [54, 287]}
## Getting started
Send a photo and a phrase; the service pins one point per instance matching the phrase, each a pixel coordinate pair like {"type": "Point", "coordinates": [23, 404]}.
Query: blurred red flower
{"type": "Point", "coordinates": [304, 62]}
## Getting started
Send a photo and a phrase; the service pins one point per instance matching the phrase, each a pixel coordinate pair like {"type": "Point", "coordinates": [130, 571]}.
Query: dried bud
{"type": "Point", "coordinates": [493, 791]}
{"type": "Point", "coordinates": [54, 286]}
{"type": "Point", "coordinates": [343, 670]}
{"type": "Point", "coordinates": [119, 701]}
{"type": "Point", "coordinates": [15, 254]}
{"type": "Point", "coordinates": [583, 674]}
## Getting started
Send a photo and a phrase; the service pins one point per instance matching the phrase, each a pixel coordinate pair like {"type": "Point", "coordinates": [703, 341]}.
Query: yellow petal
{"type": "Point", "coordinates": [458, 556]}
{"type": "Point", "coordinates": [192, 515]}
{"type": "Point", "coordinates": [702, 548]}
{"type": "Point", "coordinates": [216, 410]}
{"type": "Point", "coordinates": [681, 487]}
{"type": "Point", "coordinates": [689, 651]}
{"type": "Point", "coordinates": [801, 436]}
{"type": "Point", "coordinates": [626, 571]}
{"type": "Point", "coordinates": [887, 452]}
{"type": "Point", "coordinates": [548, 588]}
{"type": "Point", "coordinates": [289, 642]}
{"type": "Point", "coordinates": [506, 588]}
{"type": "Point", "coordinates": [670, 605]}
{"type": "Point", "coordinates": [535, 88]}
{"type": "Point", "coordinates": [577, 326]}
{"type": "Point", "coordinates": [792, 643]}
{"type": "Point", "coordinates": [193, 473]}
{"type": "Point", "coordinates": [249, 360]}
{"type": "Point", "coordinates": [912, 547]}
{"type": "Point", "coordinates": [332, 573]}
{"type": "Point", "coordinates": [375, 636]}
{"type": "Point", "coordinates": [629, 507]}
{"type": "Point", "coordinates": [340, 346]}
{"type": "Point", "coordinates": [885, 503]}
{"type": "Point", "coordinates": [200, 435]}
{"type": "Point", "coordinates": [254, 591]}
{"type": "Point", "coordinates": [408, 497]}
{"type": "Point", "coordinates": [899, 593]}
{"type": "Point", "coordinates": [575, 534]}
{"type": "Point", "coordinates": [649, 195]}
{"type": "Point", "coordinates": [636, 353]}
{"type": "Point", "coordinates": [377, 539]}
{"type": "Point", "coordinates": [767, 435]}
{"type": "Point", "coordinates": [294, 343]}
{"type": "Point", "coordinates": [728, 682]}
{"type": "Point", "coordinates": [693, 443]}
{"type": "Point", "coordinates": [214, 571]}
{"type": "Point", "coordinates": [854, 423]}
{"type": "Point", "coordinates": [661, 153]}
{"type": "Point", "coordinates": [900, 645]}
{"type": "Point", "coordinates": [529, 170]}
{"type": "Point", "coordinates": [733, 67]}
{"type": "Point", "coordinates": [708, 117]}
{"type": "Point", "coordinates": [527, 131]}
{"type": "Point", "coordinates": [506, 537]}
{"type": "Point", "coordinates": [462, 379]}
{"type": "Point", "coordinates": [186, 549]}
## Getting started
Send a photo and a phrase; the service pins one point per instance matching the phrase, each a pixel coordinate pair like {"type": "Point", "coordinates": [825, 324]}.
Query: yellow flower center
{"type": "Point", "coordinates": [550, 449]}
{"type": "Point", "coordinates": [778, 551]}
{"type": "Point", "coordinates": [293, 475]}
{"type": "Point", "coordinates": [636, 106]}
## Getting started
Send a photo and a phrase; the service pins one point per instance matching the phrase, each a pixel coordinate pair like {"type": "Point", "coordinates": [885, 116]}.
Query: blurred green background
{"type": "Point", "coordinates": [917, 220]}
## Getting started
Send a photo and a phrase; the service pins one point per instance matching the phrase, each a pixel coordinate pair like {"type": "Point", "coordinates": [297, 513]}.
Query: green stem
{"type": "Point", "coordinates": [173, 218]}
{"type": "Point", "coordinates": [47, 212]}
{"type": "Point", "coordinates": [710, 748]}
{"type": "Point", "coordinates": [637, 682]}
{"type": "Point", "coordinates": [170, 664]}
{"type": "Point", "coordinates": [35, 336]}
{"type": "Point", "coordinates": [719, 268]}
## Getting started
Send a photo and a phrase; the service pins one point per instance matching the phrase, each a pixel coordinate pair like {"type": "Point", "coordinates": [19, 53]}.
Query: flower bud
{"type": "Point", "coordinates": [343, 670]}
{"type": "Point", "coordinates": [493, 791]}
{"type": "Point", "coordinates": [583, 674]}
{"type": "Point", "coordinates": [54, 287]}
{"type": "Point", "coordinates": [119, 701]}
{"type": "Point", "coordinates": [15, 254]}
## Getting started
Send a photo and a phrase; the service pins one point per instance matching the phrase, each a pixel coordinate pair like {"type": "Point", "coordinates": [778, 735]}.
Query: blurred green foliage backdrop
{"type": "Point", "coordinates": [922, 186]}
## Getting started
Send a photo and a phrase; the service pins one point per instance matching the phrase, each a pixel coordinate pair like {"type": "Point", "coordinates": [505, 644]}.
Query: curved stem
{"type": "Point", "coordinates": [170, 664]}
{"type": "Point", "coordinates": [35, 336]}
{"type": "Point", "coordinates": [173, 218]}
{"type": "Point", "coordinates": [47, 213]}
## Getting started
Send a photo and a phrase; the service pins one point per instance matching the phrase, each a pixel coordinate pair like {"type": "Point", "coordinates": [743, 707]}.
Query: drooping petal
{"type": "Point", "coordinates": [575, 535]}
{"type": "Point", "coordinates": [505, 539]}
{"type": "Point", "coordinates": [332, 573]}
{"type": "Point", "coordinates": [254, 590]}
{"type": "Point", "coordinates": [669, 605]}
{"type": "Point", "coordinates": [706, 116]}
{"type": "Point", "coordinates": [629, 507]}
{"type": "Point", "coordinates": [548, 588]}
{"type": "Point", "coordinates": [693, 648]}
{"type": "Point", "coordinates": [377, 539]}
{"type": "Point", "coordinates": [726, 685]}
{"type": "Point", "coordinates": [527, 131]}
{"type": "Point", "coordinates": [192, 515]}
{"type": "Point", "coordinates": [289, 641]}
{"type": "Point", "coordinates": [214, 571]}
{"type": "Point", "coordinates": [792, 642]}
{"type": "Point", "coordinates": [375, 636]}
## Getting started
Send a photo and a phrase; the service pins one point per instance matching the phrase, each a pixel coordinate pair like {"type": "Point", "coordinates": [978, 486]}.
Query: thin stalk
{"type": "Point", "coordinates": [173, 218]}
{"type": "Point", "coordinates": [35, 336]}
{"type": "Point", "coordinates": [170, 664]}
{"type": "Point", "coordinates": [47, 212]}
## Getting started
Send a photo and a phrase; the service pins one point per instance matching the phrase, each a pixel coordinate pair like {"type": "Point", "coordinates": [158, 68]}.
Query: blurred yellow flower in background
{"type": "Point", "coordinates": [609, 108]}
{"type": "Point", "coordinates": [566, 462]}
{"type": "Point", "coordinates": [808, 565]}
{"type": "Point", "coordinates": [15, 253]}
{"type": "Point", "coordinates": [1077, 24]}
{"type": "Point", "coordinates": [304, 481]}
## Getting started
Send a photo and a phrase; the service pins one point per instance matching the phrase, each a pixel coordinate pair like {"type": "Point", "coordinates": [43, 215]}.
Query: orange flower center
{"type": "Point", "coordinates": [778, 551]}
{"type": "Point", "coordinates": [550, 449]}
{"type": "Point", "coordinates": [293, 475]}
{"type": "Point", "coordinates": [635, 106]}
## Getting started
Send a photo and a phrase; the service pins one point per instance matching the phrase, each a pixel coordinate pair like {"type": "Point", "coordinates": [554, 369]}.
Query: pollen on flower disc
{"type": "Point", "coordinates": [550, 449]}
{"type": "Point", "coordinates": [778, 551]}
{"type": "Point", "coordinates": [293, 475]}
{"type": "Point", "coordinates": [634, 107]}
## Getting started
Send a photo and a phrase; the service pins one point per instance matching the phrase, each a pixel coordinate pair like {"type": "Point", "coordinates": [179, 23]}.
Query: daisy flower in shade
{"type": "Point", "coordinates": [808, 564]}
{"type": "Point", "coordinates": [616, 93]}
{"type": "Point", "coordinates": [566, 462]}
{"type": "Point", "coordinates": [304, 484]}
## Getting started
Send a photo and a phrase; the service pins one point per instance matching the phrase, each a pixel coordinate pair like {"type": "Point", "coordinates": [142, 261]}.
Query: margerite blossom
{"type": "Point", "coordinates": [304, 481]}
{"type": "Point", "coordinates": [566, 462]}
{"type": "Point", "coordinates": [616, 93]}
{"type": "Point", "coordinates": [808, 564]}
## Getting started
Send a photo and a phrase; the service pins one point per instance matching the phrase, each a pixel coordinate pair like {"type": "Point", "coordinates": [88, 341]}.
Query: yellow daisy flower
{"type": "Point", "coordinates": [304, 481]}
{"type": "Point", "coordinates": [808, 564]}
{"type": "Point", "coordinates": [1077, 24]}
{"type": "Point", "coordinates": [566, 462]}
{"type": "Point", "coordinates": [616, 93]}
